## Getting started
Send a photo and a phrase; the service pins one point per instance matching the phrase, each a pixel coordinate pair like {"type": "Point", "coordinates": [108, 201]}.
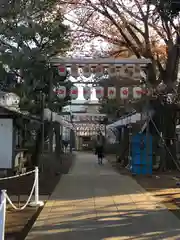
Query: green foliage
{"type": "Point", "coordinates": [31, 32]}
{"type": "Point", "coordinates": [167, 8]}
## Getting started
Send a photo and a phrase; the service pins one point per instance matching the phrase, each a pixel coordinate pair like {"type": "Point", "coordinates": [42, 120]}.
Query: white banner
{"type": "Point", "coordinates": [2, 215]}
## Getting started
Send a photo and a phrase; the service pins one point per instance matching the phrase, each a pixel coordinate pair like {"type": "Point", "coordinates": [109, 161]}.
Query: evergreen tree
{"type": "Point", "coordinates": [31, 32]}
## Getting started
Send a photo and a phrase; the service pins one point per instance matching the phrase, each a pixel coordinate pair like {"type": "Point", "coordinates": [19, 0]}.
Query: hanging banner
{"type": "Point", "coordinates": [74, 71]}
{"type": "Point", "coordinates": [137, 92]}
{"type": "Point", "coordinates": [124, 93]}
{"type": "Point", "coordinates": [86, 93]}
{"type": "Point", "coordinates": [99, 70]}
{"type": "Point", "coordinates": [61, 92]}
{"type": "Point", "coordinates": [74, 92]}
{"type": "Point", "coordinates": [112, 71]}
{"type": "Point", "coordinates": [86, 71]}
{"type": "Point", "coordinates": [99, 92]}
{"type": "Point", "coordinates": [111, 92]}
{"type": "Point", "coordinates": [62, 70]}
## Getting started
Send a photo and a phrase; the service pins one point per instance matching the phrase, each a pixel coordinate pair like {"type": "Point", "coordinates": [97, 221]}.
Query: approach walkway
{"type": "Point", "coordinates": [95, 202]}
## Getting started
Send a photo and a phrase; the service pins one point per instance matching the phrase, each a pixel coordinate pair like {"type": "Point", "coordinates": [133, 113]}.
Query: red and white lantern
{"type": "Point", "coordinates": [74, 92]}
{"type": "Point", "coordinates": [61, 92]}
{"type": "Point", "coordinates": [86, 93]}
{"type": "Point", "coordinates": [99, 92]}
{"type": "Point", "coordinates": [137, 92]}
{"type": "Point", "coordinates": [74, 71]}
{"type": "Point", "coordinates": [124, 93]}
{"type": "Point", "coordinates": [86, 71]}
{"type": "Point", "coordinates": [111, 92]}
{"type": "Point", "coordinates": [62, 70]}
{"type": "Point", "coordinates": [99, 70]}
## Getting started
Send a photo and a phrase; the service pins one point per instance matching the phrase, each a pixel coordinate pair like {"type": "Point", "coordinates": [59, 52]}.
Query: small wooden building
{"type": "Point", "coordinates": [14, 138]}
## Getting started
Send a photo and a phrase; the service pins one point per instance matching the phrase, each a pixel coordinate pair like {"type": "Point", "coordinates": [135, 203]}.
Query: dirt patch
{"type": "Point", "coordinates": [18, 223]}
{"type": "Point", "coordinates": [164, 186]}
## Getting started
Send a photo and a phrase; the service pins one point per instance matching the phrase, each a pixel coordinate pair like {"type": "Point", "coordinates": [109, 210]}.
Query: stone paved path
{"type": "Point", "coordinates": [94, 202]}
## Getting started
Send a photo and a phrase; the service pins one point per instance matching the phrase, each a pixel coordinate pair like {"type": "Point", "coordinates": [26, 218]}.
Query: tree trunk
{"type": "Point", "coordinates": [37, 150]}
{"type": "Point", "coordinates": [58, 146]}
{"type": "Point", "coordinates": [169, 135]}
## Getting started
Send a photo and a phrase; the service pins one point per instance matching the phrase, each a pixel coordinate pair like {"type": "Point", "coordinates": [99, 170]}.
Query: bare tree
{"type": "Point", "coordinates": [144, 30]}
{"type": "Point", "coordinates": [134, 24]}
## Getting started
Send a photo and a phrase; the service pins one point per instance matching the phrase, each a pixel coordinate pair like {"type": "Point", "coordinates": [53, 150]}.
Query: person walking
{"type": "Point", "coordinates": [100, 149]}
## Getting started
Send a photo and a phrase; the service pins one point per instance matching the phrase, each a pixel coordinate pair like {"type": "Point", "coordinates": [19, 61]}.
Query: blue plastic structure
{"type": "Point", "coordinates": [140, 163]}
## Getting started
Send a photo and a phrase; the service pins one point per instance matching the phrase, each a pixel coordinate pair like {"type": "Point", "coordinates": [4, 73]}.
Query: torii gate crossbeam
{"type": "Point", "coordinates": [105, 61]}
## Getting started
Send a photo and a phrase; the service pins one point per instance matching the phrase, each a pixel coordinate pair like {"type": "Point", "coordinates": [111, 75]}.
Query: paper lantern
{"type": "Point", "coordinates": [112, 71]}
{"type": "Point", "coordinates": [62, 70]}
{"type": "Point", "coordinates": [111, 92]}
{"type": "Point", "coordinates": [61, 92]}
{"type": "Point", "coordinates": [74, 71]}
{"type": "Point", "coordinates": [86, 71]}
{"type": "Point", "coordinates": [74, 92]}
{"type": "Point", "coordinates": [124, 93]}
{"type": "Point", "coordinates": [99, 92]}
{"type": "Point", "coordinates": [99, 70]}
{"type": "Point", "coordinates": [86, 93]}
{"type": "Point", "coordinates": [136, 72]}
{"type": "Point", "coordinates": [124, 71]}
{"type": "Point", "coordinates": [137, 92]}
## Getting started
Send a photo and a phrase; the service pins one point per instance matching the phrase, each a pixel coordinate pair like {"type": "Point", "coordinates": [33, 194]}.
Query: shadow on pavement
{"type": "Point", "coordinates": [95, 203]}
{"type": "Point", "coordinates": [123, 225]}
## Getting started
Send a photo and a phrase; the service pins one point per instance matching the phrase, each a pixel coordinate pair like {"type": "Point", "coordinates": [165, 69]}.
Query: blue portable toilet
{"type": "Point", "coordinates": [140, 164]}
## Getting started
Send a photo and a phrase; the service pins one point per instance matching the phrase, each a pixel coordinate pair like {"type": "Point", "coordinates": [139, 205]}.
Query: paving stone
{"type": "Point", "coordinates": [95, 202]}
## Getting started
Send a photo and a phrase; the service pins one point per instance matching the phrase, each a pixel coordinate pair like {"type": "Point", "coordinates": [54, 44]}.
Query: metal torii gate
{"type": "Point", "coordinates": [56, 61]}
{"type": "Point", "coordinates": [105, 61]}
{"type": "Point", "coordinates": [68, 62]}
